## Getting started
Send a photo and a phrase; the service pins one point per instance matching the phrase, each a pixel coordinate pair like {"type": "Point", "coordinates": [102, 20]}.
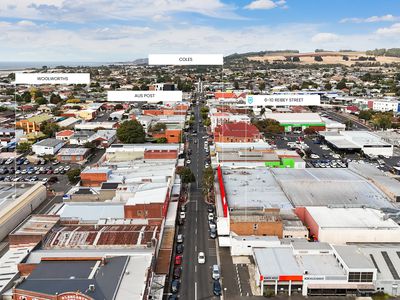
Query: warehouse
{"type": "Point", "coordinates": [297, 121]}
{"type": "Point", "coordinates": [72, 155]}
{"type": "Point", "coordinates": [358, 141]}
{"type": "Point", "coordinates": [349, 225]}
{"type": "Point", "coordinates": [17, 202]}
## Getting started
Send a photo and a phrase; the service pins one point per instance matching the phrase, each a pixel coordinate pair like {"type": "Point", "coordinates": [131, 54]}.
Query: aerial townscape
{"type": "Point", "coordinates": [251, 174]}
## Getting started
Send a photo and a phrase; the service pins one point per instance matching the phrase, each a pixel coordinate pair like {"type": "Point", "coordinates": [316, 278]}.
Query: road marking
{"type": "Point", "coordinates": [195, 290]}
{"type": "Point", "coordinates": [195, 268]}
{"type": "Point", "coordinates": [195, 231]}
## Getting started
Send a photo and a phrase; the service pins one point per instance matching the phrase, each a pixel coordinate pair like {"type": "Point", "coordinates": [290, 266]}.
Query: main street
{"type": "Point", "coordinates": [197, 282]}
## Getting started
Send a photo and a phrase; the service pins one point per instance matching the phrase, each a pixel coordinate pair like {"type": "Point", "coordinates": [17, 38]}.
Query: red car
{"type": "Point", "coordinates": [178, 259]}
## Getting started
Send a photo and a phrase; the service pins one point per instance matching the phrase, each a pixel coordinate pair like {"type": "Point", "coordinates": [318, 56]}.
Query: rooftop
{"type": "Point", "coordinates": [362, 218]}
{"type": "Point", "coordinates": [353, 257]}
{"type": "Point", "coordinates": [294, 117]}
{"type": "Point", "coordinates": [73, 151]}
{"type": "Point", "coordinates": [49, 143]}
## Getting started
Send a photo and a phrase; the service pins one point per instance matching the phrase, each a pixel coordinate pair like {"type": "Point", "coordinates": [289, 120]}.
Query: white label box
{"type": "Point", "coordinates": [52, 78]}
{"type": "Point", "coordinates": [277, 100]}
{"type": "Point", "coordinates": [186, 59]}
{"type": "Point", "coordinates": [144, 96]}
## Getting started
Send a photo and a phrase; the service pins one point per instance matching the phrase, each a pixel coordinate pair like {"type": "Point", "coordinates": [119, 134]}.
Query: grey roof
{"type": "Point", "coordinates": [304, 245]}
{"type": "Point", "coordinates": [276, 261]}
{"type": "Point", "coordinates": [51, 277]}
{"type": "Point", "coordinates": [353, 257]}
{"type": "Point", "coordinates": [324, 187]}
{"type": "Point", "coordinates": [49, 142]}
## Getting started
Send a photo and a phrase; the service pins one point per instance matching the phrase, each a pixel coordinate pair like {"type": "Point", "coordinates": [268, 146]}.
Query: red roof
{"type": "Point", "coordinates": [352, 108]}
{"type": "Point", "coordinates": [65, 133]}
{"type": "Point", "coordinates": [238, 129]}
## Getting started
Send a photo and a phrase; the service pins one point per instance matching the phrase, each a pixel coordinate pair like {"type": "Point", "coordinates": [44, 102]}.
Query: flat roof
{"type": "Point", "coordinates": [253, 188]}
{"type": "Point", "coordinates": [320, 187]}
{"type": "Point", "coordinates": [353, 257]}
{"type": "Point", "coordinates": [36, 225]}
{"type": "Point", "coordinates": [73, 151]}
{"type": "Point", "coordinates": [9, 192]}
{"type": "Point", "coordinates": [294, 117]}
{"type": "Point", "coordinates": [92, 211]}
{"type": "Point", "coordinates": [361, 218]}
{"type": "Point", "coordinates": [387, 267]}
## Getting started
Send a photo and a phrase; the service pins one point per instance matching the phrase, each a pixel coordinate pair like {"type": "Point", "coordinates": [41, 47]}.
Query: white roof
{"type": "Point", "coordinates": [361, 218]}
{"type": "Point", "coordinates": [91, 211]}
{"type": "Point", "coordinates": [294, 117]}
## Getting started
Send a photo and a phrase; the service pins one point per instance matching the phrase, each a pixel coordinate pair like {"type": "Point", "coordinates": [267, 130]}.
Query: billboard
{"type": "Point", "coordinates": [52, 78]}
{"type": "Point", "coordinates": [186, 59]}
{"type": "Point", "coordinates": [144, 96]}
{"type": "Point", "coordinates": [283, 100]}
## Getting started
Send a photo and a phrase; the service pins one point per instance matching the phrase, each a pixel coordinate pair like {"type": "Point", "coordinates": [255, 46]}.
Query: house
{"type": "Point", "coordinates": [71, 155]}
{"type": "Point", "coordinates": [64, 135]}
{"type": "Point", "coordinates": [239, 132]}
{"type": "Point", "coordinates": [47, 147]}
{"type": "Point", "coordinates": [103, 138]}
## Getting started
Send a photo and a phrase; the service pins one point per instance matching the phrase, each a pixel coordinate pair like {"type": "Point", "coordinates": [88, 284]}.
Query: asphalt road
{"type": "Point", "coordinates": [196, 282]}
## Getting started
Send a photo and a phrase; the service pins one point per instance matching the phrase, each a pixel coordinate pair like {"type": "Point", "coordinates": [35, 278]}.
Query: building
{"type": "Point", "coordinates": [47, 147]}
{"type": "Point", "coordinates": [18, 201]}
{"type": "Point", "coordinates": [313, 269]}
{"type": "Point", "coordinates": [91, 278]}
{"type": "Point", "coordinates": [297, 121]}
{"type": "Point", "coordinates": [332, 125]}
{"type": "Point", "coordinates": [220, 118]}
{"type": "Point", "coordinates": [125, 152]}
{"type": "Point", "coordinates": [358, 141]}
{"type": "Point", "coordinates": [33, 124]}
{"type": "Point", "coordinates": [96, 125]}
{"type": "Point", "coordinates": [337, 225]}
{"type": "Point", "coordinates": [64, 135]}
{"type": "Point", "coordinates": [237, 133]}
{"type": "Point", "coordinates": [72, 155]}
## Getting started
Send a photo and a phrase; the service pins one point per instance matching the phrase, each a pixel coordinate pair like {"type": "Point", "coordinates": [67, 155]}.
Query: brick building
{"type": "Point", "coordinates": [237, 133]}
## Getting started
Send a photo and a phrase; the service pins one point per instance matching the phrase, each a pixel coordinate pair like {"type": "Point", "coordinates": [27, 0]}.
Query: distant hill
{"type": "Point", "coordinates": [392, 52]}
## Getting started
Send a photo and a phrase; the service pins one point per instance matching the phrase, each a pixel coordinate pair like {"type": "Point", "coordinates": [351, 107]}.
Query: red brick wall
{"type": "Point", "coordinates": [93, 179]}
{"type": "Point", "coordinates": [23, 239]}
{"type": "Point", "coordinates": [26, 269]}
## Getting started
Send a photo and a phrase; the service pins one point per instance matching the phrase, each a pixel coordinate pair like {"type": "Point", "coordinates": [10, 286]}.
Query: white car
{"type": "Point", "coordinates": [314, 156]}
{"type": "Point", "coordinates": [188, 162]}
{"type": "Point", "coordinates": [201, 258]}
{"type": "Point", "coordinates": [206, 165]}
{"type": "Point", "coordinates": [182, 215]}
{"type": "Point", "coordinates": [210, 217]}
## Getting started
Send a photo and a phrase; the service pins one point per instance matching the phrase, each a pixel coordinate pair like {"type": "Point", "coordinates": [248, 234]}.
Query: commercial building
{"type": "Point", "coordinates": [96, 125]}
{"type": "Point", "coordinates": [349, 225]}
{"type": "Point", "coordinates": [72, 155]}
{"type": "Point", "coordinates": [313, 269]}
{"type": "Point", "coordinates": [32, 124]}
{"type": "Point", "coordinates": [358, 141]}
{"type": "Point", "coordinates": [237, 133]}
{"type": "Point", "coordinates": [220, 118]}
{"type": "Point", "coordinates": [116, 277]}
{"type": "Point", "coordinates": [297, 121]}
{"type": "Point", "coordinates": [18, 201]}
{"type": "Point", "coordinates": [332, 125]}
{"type": "Point", "coordinates": [126, 152]}
{"type": "Point", "coordinates": [47, 147]}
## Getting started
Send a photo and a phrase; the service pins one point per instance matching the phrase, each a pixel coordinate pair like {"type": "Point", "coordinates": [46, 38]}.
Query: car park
{"type": "Point", "coordinates": [201, 258]}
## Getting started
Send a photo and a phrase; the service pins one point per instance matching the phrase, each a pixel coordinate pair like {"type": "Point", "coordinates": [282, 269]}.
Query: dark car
{"type": "Point", "coordinates": [217, 288]}
{"type": "Point", "coordinates": [210, 208]}
{"type": "Point", "coordinates": [175, 286]}
{"type": "Point", "coordinates": [213, 233]}
{"type": "Point", "coordinates": [179, 248]}
{"type": "Point", "coordinates": [177, 272]}
{"type": "Point", "coordinates": [173, 297]}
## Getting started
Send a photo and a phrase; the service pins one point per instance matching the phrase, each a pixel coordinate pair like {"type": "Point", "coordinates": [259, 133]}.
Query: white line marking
{"type": "Point", "coordinates": [195, 290]}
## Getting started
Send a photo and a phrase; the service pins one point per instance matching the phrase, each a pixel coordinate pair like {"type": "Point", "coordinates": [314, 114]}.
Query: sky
{"type": "Point", "coordinates": [123, 30]}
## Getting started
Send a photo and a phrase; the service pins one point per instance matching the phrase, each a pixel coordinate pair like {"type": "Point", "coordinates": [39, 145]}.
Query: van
{"type": "Point", "coordinates": [215, 272]}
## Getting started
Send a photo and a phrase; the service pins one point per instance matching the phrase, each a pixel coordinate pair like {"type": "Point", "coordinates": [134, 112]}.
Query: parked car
{"type": "Point", "coordinates": [210, 208]}
{"type": "Point", "coordinates": [177, 272]}
{"type": "Point", "coordinates": [175, 286]}
{"type": "Point", "coordinates": [179, 248]}
{"type": "Point", "coordinates": [201, 258]}
{"type": "Point", "coordinates": [182, 215]}
{"type": "Point", "coordinates": [178, 260]}
{"type": "Point", "coordinates": [213, 233]}
{"type": "Point", "coordinates": [215, 272]}
{"type": "Point", "coordinates": [179, 238]}
{"type": "Point", "coordinates": [210, 217]}
{"type": "Point", "coordinates": [217, 288]}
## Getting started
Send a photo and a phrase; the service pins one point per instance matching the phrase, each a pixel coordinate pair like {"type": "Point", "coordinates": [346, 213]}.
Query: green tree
{"type": "Point", "coordinates": [328, 86]}
{"type": "Point", "coordinates": [40, 100]}
{"type": "Point", "coordinates": [261, 86]}
{"type": "Point", "coordinates": [186, 174]}
{"type": "Point", "coordinates": [208, 180]}
{"type": "Point", "coordinates": [158, 127]}
{"type": "Point", "coordinates": [131, 132]}
{"type": "Point", "coordinates": [24, 147]}
{"type": "Point", "coordinates": [207, 122]}
{"type": "Point", "coordinates": [382, 121]}
{"type": "Point", "coordinates": [236, 85]}
{"type": "Point", "coordinates": [55, 99]}
{"type": "Point", "coordinates": [162, 140]}
{"type": "Point", "coordinates": [26, 96]}
{"type": "Point", "coordinates": [349, 124]}
{"type": "Point", "coordinates": [74, 175]}
{"type": "Point", "coordinates": [365, 115]}
{"type": "Point", "coordinates": [341, 84]}
{"type": "Point", "coordinates": [49, 129]}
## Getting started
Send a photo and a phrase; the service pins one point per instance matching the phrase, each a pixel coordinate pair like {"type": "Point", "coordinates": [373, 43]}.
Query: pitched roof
{"type": "Point", "coordinates": [238, 129]}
